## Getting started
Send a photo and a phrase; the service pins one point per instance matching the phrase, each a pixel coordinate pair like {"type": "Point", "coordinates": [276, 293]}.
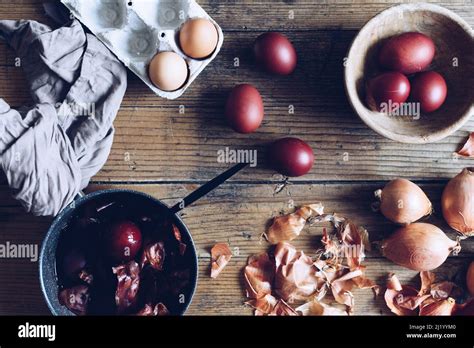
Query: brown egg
{"type": "Point", "coordinates": [168, 71]}
{"type": "Point", "coordinates": [198, 38]}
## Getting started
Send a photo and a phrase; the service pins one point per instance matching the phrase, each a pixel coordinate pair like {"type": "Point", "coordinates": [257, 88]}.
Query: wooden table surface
{"type": "Point", "coordinates": [168, 154]}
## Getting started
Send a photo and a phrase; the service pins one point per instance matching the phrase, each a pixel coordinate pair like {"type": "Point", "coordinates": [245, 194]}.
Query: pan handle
{"type": "Point", "coordinates": [80, 194]}
{"type": "Point", "coordinates": [208, 187]}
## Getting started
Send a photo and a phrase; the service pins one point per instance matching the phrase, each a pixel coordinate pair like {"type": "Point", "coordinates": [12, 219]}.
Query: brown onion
{"type": "Point", "coordinates": [470, 278]}
{"type": "Point", "coordinates": [465, 308]}
{"type": "Point", "coordinates": [438, 308]}
{"type": "Point", "coordinates": [419, 246]}
{"type": "Point", "coordinates": [458, 202]}
{"type": "Point", "coordinates": [403, 202]}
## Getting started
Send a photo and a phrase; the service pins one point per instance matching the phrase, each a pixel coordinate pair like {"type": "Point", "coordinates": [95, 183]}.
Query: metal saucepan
{"type": "Point", "coordinates": [48, 254]}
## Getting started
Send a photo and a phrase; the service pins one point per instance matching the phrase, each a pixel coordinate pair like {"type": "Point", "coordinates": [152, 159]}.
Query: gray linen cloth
{"type": "Point", "coordinates": [50, 151]}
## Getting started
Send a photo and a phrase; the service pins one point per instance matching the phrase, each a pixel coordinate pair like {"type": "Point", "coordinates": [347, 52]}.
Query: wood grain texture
{"type": "Point", "coordinates": [155, 142]}
{"type": "Point", "coordinates": [168, 154]}
{"type": "Point", "coordinates": [272, 14]}
{"type": "Point", "coordinates": [239, 219]}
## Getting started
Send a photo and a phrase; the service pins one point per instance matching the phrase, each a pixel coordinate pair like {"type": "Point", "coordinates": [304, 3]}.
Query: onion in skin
{"type": "Point", "coordinates": [419, 246]}
{"type": "Point", "coordinates": [457, 202]}
{"type": "Point", "coordinates": [403, 202]}
{"type": "Point", "coordinates": [465, 309]}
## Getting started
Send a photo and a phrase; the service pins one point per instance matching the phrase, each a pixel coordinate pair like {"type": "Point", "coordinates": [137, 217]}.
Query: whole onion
{"type": "Point", "coordinates": [419, 246]}
{"type": "Point", "coordinates": [403, 202]}
{"type": "Point", "coordinates": [457, 202]}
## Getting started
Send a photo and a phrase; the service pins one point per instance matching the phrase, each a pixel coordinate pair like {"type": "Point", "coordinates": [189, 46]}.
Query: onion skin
{"type": "Point", "coordinates": [403, 202]}
{"type": "Point", "coordinates": [438, 308]}
{"type": "Point", "coordinates": [457, 202]}
{"type": "Point", "coordinates": [419, 246]}
{"type": "Point", "coordinates": [466, 309]}
{"type": "Point", "coordinates": [470, 278]}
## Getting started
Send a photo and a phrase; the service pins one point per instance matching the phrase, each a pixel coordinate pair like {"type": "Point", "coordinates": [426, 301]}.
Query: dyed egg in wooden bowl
{"type": "Point", "coordinates": [453, 39]}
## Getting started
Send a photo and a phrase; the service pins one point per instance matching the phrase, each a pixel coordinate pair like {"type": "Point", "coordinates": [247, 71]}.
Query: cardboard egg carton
{"type": "Point", "coordinates": [136, 30]}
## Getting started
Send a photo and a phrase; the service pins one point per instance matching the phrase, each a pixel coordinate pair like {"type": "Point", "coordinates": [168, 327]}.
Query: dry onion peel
{"type": "Point", "coordinates": [288, 227]}
{"type": "Point", "coordinates": [295, 277]}
{"type": "Point", "coordinates": [283, 308]}
{"type": "Point", "coordinates": [291, 275]}
{"type": "Point", "coordinates": [432, 298]}
{"type": "Point", "coordinates": [317, 308]}
{"type": "Point", "coordinates": [457, 202]}
{"type": "Point", "coordinates": [437, 308]}
{"type": "Point", "coordinates": [263, 305]}
{"type": "Point", "coordinates": [259, 274]}
{"type": "Point", "coordinates": [465, 308]}
{"type": "Point", "coordinates": [468, 149]}
{"type": "Point", "coordinates": [402, 300]}
{"type": "Point", "coordinates": [419, 246]}
{"type": "Point", "coordinates": [220, 257]}
{"type": "Point", "coordinates": [403, 202]}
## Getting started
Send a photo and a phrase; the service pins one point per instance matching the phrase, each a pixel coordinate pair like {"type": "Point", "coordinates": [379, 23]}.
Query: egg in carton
{"type": "Point", "coordinates": [138, 31]}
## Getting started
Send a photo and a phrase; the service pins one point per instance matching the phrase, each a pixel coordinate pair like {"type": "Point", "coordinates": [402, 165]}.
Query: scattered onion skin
{"type": "Point", "coordinates": [419, 246]}
{"type": "Point", "coordinates": [403, 202]}
{"type": "Point", "coordinates": [470, 278]}
{"type": "Point", "coordinates": [438, 308]}
{"type": "Point", "coordinates": [457, 202]}
{"type": "Point", "coordinates": [465, 309]}
{"type": "Point", "coordinates": [468, 148]}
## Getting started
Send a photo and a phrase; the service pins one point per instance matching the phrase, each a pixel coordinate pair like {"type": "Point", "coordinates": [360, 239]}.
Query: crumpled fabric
{"type": "Point", "coordinates": [50, 151]}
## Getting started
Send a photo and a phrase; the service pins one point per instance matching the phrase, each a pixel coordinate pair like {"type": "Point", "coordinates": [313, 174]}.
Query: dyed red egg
{"type": "Point", "coordinates": [123, 241]}
{"type": "Point", "coordinates": [407, 53]}
{"type": "Point", "coordinates": [244, 109]}
{"type": "Point", "coordinates": [386, 91]}
{"type": "Point", "coordinates": [429, 89]}
{"type": "Point", "coordinates": [291, 157]}
{"type": "Point", "coordinates": [275, 53]}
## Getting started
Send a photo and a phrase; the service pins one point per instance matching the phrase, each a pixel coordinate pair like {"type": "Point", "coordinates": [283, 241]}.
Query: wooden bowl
{"type": "Point", "coordinates": [454, 60]}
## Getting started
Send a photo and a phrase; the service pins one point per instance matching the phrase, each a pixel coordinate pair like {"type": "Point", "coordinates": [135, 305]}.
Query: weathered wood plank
{"type": "Point", "coordinates": [246, 209]}
{"type": "Point", "coordinates": [276, 15]}
{"type": "Point", "coordinates": [236, 214]}
{"type": "Point", "coordinates": [155, 142]}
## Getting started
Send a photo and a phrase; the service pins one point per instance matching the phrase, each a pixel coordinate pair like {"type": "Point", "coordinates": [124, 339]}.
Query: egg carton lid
{"type": "Point", "coordinates": [138, 11]}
